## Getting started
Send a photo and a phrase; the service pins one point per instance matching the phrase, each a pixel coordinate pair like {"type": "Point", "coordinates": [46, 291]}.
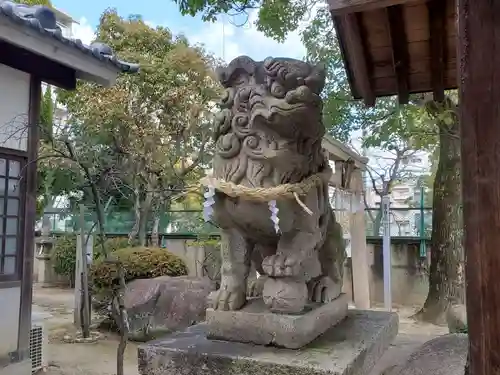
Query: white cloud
{"type": "Point", "coordinates": [83, 31]}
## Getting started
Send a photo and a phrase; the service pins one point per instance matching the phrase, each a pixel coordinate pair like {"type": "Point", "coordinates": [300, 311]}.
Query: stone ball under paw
{"type": "Point", "coordinates": [285, 295]}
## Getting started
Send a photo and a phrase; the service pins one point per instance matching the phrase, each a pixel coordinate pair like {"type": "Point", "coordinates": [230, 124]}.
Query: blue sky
{"type": "Point", "coordinates": [221, 38]}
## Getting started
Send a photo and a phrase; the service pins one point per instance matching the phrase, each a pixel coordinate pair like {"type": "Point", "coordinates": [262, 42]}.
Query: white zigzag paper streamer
{"type": "Point", "coordinates": [274, 215]}
{"type": "Point", "coordinates": [209, 202]}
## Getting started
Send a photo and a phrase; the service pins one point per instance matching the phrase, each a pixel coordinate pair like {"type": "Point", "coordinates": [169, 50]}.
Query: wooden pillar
{"type": "Point", "coordinates": [479, 77]}
{"type": "Point", "coordinates": [359, 256]}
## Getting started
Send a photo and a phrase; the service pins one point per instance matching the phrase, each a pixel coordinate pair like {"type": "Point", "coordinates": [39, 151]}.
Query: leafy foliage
{"type": "Point", "coordinates": [116, 243]}
{"type": "Point", "coordinates": [147, 137]}
{"type": "Point", "coordinates": [276, 18]}
{"type": "Point", "coordinates": [63, 256]}
{"type": "Point", "coordinates": [138, 263]}
{"type": "Point", "coordinates": [46, 114]}
{"type": "Point", "coordinates": [35, 2]}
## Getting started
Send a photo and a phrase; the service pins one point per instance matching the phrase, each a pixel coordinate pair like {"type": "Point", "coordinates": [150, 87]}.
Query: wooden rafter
{"type": "Point", "coordinates": [437, 41]}
{"type": "Point", "coordinates": [338, 7]}
{"type": "Point", "coordinates": [349, 29]}
{"type": "Point", "coordinates": [399, 46]}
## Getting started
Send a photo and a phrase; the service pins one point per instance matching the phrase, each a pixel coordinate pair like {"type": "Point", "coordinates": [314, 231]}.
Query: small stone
{"type": "Point", "coordinates": [456, 317]}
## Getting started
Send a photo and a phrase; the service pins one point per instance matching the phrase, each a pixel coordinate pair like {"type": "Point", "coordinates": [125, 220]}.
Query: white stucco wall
{"type": "Point", "coordinates": [10, 300]}
{"type": "Point", "coordinates": [14, 105]}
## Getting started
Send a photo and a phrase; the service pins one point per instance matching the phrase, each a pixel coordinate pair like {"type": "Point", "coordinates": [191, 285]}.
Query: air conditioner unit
{"type": "Point", "coordinates": [38, 345]}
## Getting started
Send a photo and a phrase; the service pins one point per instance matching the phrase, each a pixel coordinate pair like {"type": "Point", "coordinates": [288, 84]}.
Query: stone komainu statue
{"type": "Point", "coordinates": [268, 139]}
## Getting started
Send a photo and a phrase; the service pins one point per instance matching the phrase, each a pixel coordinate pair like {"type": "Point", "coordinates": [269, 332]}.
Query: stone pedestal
{"type": "Point", "coordinates": [256, 324]}
{"type": "Point", "coordinates": [350, 348]}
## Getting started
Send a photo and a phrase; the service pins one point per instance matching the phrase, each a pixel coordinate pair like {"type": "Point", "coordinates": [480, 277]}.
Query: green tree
{"type": "Point", "coordinates": [276, 17]}
{"type": "Point", "coordinates": [35, 2]}
{"type": "Point", "coordinates": [46, 114]}
{"type": "Point", "coordinates": [151, 129]}
{"type": "Point", "coordinates": [446, 274]}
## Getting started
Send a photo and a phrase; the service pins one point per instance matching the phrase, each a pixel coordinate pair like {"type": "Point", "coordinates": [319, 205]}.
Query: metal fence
{"type": "Point", "coordinates": [404, 222]}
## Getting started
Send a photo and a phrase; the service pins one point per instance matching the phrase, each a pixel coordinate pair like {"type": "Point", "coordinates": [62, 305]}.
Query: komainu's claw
{"type": "Point", "coordinates": [229, 297]}
{"type": "Point", "coordinates": [281, 265]}
{"type": "Point", "coordinates": [323, 290]}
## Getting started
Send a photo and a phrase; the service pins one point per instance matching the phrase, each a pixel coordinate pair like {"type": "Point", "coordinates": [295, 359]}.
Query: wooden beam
{"type": "Point", "coordinates": [400, 56]}
{"type": "Point", "coordinates": [359, 255]}
{"type": "Point", "coordinates": [341, 7]}
{"type": "Point", "coordinates": [355, 50]}
{"type": "Point", "coordinates": [437, 40]}
{"type": "Point", "coordinates": [339, 30]}
{"type": "Point", "coordinates": [28, 221]}
{"type": "Point", "coordinates": [48, 71]}
{"type": "Point", "coordinates": [479, 57]}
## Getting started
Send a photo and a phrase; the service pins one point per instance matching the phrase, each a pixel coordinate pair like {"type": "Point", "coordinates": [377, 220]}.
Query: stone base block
{"type": "Point", "coordinates": [350, 348]}
{"type": "Point", "coordinates": [256, 324]}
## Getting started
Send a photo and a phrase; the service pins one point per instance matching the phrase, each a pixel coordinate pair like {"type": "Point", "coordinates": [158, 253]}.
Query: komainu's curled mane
{"type": "Point", "coordinates": [268, 134]}
{"type": "Point", "coordinates": [269, 130]}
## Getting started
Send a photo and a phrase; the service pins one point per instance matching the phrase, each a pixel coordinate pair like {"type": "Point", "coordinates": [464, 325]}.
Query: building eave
{"type": "Point", "coordinates": [340, 152]}
{"type": "Point", "coordinates": [87, 67]}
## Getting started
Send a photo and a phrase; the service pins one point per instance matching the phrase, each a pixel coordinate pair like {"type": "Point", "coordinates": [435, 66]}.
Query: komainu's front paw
{"type": "Point", "coordinates": [256, 286]}
{"type": "Point", "coordinates": [323, 290]}
{"type": "Point", "coordinates": [281, 265]}
{"type": "Point", "coordinates": [227, 298]}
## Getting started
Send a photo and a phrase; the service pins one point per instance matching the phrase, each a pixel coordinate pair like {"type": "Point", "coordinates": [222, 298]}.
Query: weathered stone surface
{"type": "Point", "coordinates": [445, 355]}
{"type": "Point", "coordinates": [165, 304]}
{"type": "Point", "coordinates": [256, 324]}
{"type": "Point", "coordinates": [267, 134]}
{"type": "Point", "coordinates": [456, 317]}
{"type": "Point", "coordinates": [350, 348]}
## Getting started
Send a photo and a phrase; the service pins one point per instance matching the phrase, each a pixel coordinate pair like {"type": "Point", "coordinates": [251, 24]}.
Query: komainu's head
{"type": "Point", "coordinates": [269, 129]}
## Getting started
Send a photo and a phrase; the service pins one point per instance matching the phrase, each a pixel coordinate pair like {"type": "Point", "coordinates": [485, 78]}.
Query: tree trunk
{"type": "Point", "coordinates": [377, 223]}
{"type": "Point", "coordinates": [137, 210]}
{"type": "Point", "coordinates": [446, 274]}
{"type": "Point", "coordinates": [155, 238]}
{"type": "Point", "coordinates": [143, 222]}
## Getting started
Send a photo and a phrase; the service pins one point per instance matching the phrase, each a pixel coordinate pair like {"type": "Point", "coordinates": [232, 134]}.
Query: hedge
{"type": "Point", "coordinates": [138, 263]}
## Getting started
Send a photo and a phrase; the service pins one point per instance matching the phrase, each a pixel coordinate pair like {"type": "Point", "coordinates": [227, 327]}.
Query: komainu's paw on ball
{"type": "Point", "coordinates": [281, 265]}
{"type": "Point", "coordinates": [227, 299]}
{"type": "Point", "coordinates": [285, 295]}
{"type": "Point", "coordinates": [323, 290]}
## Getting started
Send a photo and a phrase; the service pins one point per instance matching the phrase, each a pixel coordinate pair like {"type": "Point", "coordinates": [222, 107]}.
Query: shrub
{"type": "Point", "coordinates": [64, 256]}
{"type": "Point", "coordinates": [112, 244]}
{"type": "Point", "coordinates": [138, 263]}
{"type": "Point", "coordinates": [64, 252]}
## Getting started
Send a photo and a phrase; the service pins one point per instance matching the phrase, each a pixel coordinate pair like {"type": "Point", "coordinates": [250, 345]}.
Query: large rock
{"type": "Point", "coordinates": [445, 355]}
{"type": "Point", "coordinates": [165, 304]}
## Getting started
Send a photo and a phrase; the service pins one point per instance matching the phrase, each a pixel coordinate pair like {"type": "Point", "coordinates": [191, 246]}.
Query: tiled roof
{"type": "Point", "coordinates": [43, 20]}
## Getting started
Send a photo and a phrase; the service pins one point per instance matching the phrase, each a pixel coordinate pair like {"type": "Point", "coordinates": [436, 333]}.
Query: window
{"type": "Point", "coordinates": [10, 218]}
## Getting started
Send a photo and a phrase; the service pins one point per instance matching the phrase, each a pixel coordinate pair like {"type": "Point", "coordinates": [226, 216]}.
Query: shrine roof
{"type": "Point", "coordinates": [397, 47]}
{"type": "Point", "coordinates": [42, 20]}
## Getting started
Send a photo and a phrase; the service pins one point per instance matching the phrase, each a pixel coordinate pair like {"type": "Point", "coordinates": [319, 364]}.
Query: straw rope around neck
{"type": "Point", "coordinates": [259, 194]}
